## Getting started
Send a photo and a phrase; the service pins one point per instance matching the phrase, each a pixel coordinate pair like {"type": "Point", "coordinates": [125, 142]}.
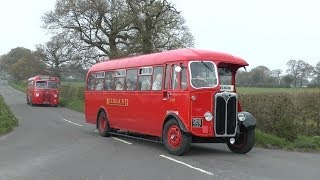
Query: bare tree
{"type": "Point", "coordinates": [116, 28]}
{"type": "Point", "coordinates": [59, 52]}
{"type": "Point", "coordinates": [277, 72]}
{"type": "Point", "coordinates": [159, 26]}
{"type": "Point", "coordinates": [294, 67]}
{"type": "Point", "coordinates": [305, 71]}
{"type": "Point", "coordinates": [317, 73]}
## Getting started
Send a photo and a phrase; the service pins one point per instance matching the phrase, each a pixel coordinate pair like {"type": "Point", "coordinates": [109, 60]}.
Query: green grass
{"type": "Point", "coordinates": [7, 120]}
{"type": "Point", "coordinates": [73, 83]}
{"type": "Point", "coordinates": [21, 86]}
{"type": "Point", "coordinates": [302, 143]}
{"type": "Point", "coordinates": [74, 104]}
{"type": "Point", "coordinates": [255, 90]}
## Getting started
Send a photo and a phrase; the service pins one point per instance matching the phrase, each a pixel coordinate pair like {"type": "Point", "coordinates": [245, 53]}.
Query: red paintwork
{"type": "Point", "coordinates": [146, 111]}
{"type": "Point", "coordinates": [46, 95]}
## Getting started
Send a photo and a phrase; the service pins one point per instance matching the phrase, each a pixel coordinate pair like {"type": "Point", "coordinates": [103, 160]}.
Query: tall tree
{"type": "Point", "coordinates": [317, 73]}
{"type": "Point", "coordinates": [305, 71]}
{"type": "Point", "coordinates": [277, 73]}
{"type": "Point", "coordinates": [117, 28]}
{"type": "Point", "coordinates": [159, 26]}
{"type": "Point", "coordinates": [59, 52]}
{"type": "Point", "coordinates": [21, 63]}
{"type": "Point", "coordinates": [13, 56]}
{"type": "Point", "coordinates": [294, 68]}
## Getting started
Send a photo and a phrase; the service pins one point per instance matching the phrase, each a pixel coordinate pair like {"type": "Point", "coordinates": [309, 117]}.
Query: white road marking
{"type": "Point", "coordinates": [72, 122]}
{"type": "Point", "coordinates": [121, 140]}
{"type": "Point", "coordinates": [188, 165]}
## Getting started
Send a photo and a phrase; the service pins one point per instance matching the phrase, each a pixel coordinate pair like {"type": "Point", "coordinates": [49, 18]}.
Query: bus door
{"type": "Point", "coordinates": [175, 94]}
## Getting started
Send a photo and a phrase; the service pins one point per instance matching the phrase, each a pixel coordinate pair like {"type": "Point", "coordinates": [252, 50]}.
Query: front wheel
{"type": "Point", "coordinates": [103, 125]}
{"type": "Point", "coordinates": [175, 141]}
{"type": "Point", "coordinates": [244, 141]}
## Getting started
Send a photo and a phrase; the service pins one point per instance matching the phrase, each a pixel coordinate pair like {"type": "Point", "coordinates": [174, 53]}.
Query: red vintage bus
{"type": "Point", "coordinates": [179, 96]}
{"type": "Point", "coordinates": [43, 89]}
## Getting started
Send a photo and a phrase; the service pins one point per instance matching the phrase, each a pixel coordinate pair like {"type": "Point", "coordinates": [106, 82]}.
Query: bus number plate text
{"type": "Point", "coordinates": [197, 122]}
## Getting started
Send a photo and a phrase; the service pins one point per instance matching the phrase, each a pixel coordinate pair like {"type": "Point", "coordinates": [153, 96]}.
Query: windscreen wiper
{"type": "Point", "coordinates": [206, 66]}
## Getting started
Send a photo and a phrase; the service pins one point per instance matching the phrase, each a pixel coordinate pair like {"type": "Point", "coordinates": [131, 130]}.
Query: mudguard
{"type": "Point", "coordinates": [250, 122]}
{"type": "Point", "coordinates": [181, 125]}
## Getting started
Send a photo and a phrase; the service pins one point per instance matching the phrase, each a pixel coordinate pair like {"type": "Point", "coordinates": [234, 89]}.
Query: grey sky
{"type": "Point", "coordinates": [262, 32]}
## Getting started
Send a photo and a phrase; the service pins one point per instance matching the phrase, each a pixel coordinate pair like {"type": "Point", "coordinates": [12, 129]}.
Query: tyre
{"type": "Point", "coordinates": [103, 125]}
{"type": "Point", "coordinates": [244, 141]}
{"type": "Point", "coordinates": [175, 141]}
{"type": "Point", "coordinates": [28, 100]}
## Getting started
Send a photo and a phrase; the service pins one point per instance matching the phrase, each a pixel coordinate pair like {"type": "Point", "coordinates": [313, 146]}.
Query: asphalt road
{"type": "Point", "coordinates": [56, 143]}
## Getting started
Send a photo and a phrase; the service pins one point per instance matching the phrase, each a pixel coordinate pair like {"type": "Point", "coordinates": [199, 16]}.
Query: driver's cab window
{"type": "Point", "coordinates": [225, 76]}
{"type": "Point", "coordinates": [203, 74]}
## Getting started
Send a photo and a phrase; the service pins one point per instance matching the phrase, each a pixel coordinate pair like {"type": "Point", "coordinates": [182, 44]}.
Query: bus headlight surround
{"type": "Point", "coordinates": [241, 117]}
{"type": "Point", "coordinates": [37, 94]}
{"type": "Point", "coordinates": [208, 116]}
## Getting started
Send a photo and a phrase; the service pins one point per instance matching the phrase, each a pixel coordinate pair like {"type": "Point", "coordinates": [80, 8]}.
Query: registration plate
{"type": "Point", "coordinates": [196, 122]}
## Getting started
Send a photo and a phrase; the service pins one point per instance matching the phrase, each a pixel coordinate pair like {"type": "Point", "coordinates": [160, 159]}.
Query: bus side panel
{"type": "Point", "coordinates": [149, 110]}
{"type": "Point", "coordinates": [91, 107]}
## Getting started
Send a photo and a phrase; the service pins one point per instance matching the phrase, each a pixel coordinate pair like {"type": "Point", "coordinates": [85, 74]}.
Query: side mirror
{"type": "Point", "coordinates": [178, 69]}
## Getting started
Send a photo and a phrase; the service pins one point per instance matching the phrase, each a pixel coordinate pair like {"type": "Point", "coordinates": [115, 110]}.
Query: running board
{"type": "Point", "coordinates": [137, 136]}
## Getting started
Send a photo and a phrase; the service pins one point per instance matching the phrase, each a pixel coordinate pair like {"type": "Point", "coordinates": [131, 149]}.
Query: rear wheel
{"type": "Point", "coordinates": [28, 100]}
{"type": "Point", "coordinates": [244, 141]}
{"type": "Point", "coordinates": [103, 125]}
{"type": "Point", "coordinates": [175, 141]}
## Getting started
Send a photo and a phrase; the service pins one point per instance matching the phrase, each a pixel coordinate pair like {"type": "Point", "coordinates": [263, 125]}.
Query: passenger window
{"type": "Point", "coordinates": [157, 78]}
{"type": "Point", "coordinates": [99, 81]}
{"type": "Point", "coordinates": [131, 80]}
{"type": "Point", "coordinates": [145, 78]}
{"type": "Point", "coordinates": [145, 83]}
{"type": "Point", "coordinates": [90, 83]}
{"type": "Point", "coordinates": [119, 79]}
{"type": "Point", "coordinates": [108, 84]}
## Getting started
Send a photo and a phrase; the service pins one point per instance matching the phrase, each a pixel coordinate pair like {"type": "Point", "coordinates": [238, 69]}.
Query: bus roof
{"type": "Point", "coordinates": [44, 78]}
{"type": "Point", "coordinates": [186, 54]}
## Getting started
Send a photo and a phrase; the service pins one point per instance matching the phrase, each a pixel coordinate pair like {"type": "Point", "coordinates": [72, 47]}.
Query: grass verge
{"type": "Point", "coordinates": [74, 104]}
{"type": "Point", "coordinates": [7, 120]}
{"type": "Point", "coordinates": [302, 143]}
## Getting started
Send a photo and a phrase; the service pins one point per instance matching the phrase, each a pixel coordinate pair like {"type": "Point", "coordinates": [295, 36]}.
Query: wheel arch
{"type": "Point", "coordinates": [179, 121]}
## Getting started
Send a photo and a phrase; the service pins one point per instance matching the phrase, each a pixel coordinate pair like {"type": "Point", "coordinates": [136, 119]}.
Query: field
{"type": "Point", "coordinates": [255, 90]}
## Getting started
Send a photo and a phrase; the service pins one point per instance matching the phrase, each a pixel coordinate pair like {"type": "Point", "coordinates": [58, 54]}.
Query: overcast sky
{"type": "Point", "coordinates": [262, 32]}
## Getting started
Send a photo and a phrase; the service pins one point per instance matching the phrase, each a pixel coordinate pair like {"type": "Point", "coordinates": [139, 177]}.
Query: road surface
{"type": "Point", "coordinates": [56, 143]}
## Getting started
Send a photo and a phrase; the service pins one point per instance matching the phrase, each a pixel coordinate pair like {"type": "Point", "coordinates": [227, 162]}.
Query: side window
{"type": "Point", "coordinates": [108, 83]}
{"type": "Point", "coordinates": [99, 81]}
{"type": "Point", "coordinates": [90, 82]}
{"type": "Point", "coordinates": [167, 79]}
{"type": "Point", "coordinates": [131, 80]}
{"type": "Point", "coordinates": [145, 78]}
{"type": "Point", "coordinates": [157, 78]}
{"type": "Point", "coordinates": [119, 79]}
{"type": "Point", "coordinates": [175, 78]}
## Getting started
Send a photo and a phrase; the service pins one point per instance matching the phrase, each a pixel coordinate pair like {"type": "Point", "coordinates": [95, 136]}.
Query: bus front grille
{"type": "Point", "coordinates": [225, 114]}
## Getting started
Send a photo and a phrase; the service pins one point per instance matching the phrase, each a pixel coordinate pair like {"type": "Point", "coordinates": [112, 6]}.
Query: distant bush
{"type": "Point", "coordinates": [72, 92]}
{"type": "Point", "coordinates": [285, 114]}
